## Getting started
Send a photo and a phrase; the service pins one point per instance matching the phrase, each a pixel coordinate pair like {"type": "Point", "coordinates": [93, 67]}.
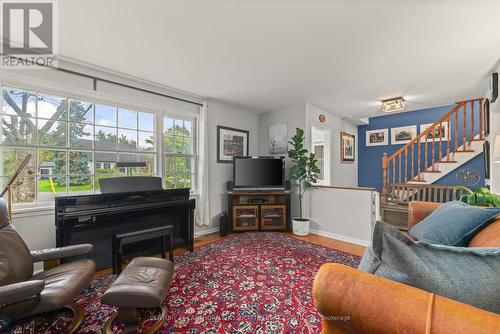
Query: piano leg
{"type": "Point", "coordinates": [171, 247]}
{"type": "Point", "coordinates": [114, 252]}
{"type": "Point", "coordinates": [191, 230]}
{"type": "Point", "coordinates": [162, 248]}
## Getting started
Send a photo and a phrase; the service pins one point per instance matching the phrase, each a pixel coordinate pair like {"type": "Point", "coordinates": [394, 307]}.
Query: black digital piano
{"type": "Point", "coordinates": [95, 218]}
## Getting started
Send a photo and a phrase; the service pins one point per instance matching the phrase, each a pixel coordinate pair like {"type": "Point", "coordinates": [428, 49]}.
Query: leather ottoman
{"type": "Point", "coordinates": [143, 284]}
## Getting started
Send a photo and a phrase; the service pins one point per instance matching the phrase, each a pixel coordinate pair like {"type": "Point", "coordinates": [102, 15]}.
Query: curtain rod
{"type": "Point", "coordinates": [95, 78]}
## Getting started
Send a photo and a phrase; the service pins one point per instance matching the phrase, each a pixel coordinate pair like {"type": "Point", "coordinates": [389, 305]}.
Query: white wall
{"type": "Point", "coordinates": [341, 174]}
{"type": "Point", "coordinates": [304, 116]}
{"type": "Point", "coordinates": [295, 117]}
{"type": "Point", "coordinates": [342, 214]}
{"type": "Point", "coordinates": [494, 131]}
{"type": "Point", "coordinates": [220, 173]}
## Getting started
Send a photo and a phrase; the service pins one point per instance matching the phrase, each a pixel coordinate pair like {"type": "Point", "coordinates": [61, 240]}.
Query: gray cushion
{"type": "Point", "coordinates": [453, 224]}
{"type": "Point", "coordinates": [465, 274]}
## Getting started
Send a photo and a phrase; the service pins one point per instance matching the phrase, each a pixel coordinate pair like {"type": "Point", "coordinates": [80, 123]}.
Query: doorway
{"type": "Point", "coordinates": [321, 147]}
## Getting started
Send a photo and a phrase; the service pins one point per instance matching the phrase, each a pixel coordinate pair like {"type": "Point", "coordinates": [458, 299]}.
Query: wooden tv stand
{"type": "Point", "coordinates": [258, 211]}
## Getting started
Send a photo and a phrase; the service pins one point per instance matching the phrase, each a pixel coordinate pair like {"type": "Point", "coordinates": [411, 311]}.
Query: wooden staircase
{"type": "Point", "coordinates": [452, 140]}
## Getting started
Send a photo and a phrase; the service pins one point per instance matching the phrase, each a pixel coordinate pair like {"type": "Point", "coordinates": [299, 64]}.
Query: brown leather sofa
{"type": "Point", "coordinates": [352, 301]}
{"type": "Point", "coordinates": [23, 294]}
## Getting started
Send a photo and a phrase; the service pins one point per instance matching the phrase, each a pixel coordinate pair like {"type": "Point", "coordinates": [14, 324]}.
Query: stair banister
{"type": "Point", "coordinates": [422, 138]}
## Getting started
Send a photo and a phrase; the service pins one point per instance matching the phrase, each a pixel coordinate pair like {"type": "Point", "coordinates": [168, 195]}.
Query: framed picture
{"type": "Point", "coordinates": [278, 139]}
{"type": "Point", "coordinates": [230, 143]}
{"type": "Point", "coordinates": [440, 131]}
{"type": "Point", "coordinates": [486, 157]}
{"type": "Point", "coordinates": [403, 135]}
{"type": "Point", "coordinates": [493, 87]}
{"type": "Point", "coordinates": [377, 137]}
{"type": "Point", "coordinates": [347, 147]}
{"type": "Point", "coordinates": [487, 116]}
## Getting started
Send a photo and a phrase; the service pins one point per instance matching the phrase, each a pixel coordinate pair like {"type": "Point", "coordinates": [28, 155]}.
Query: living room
{"type": "Point", "coordinates": [188, 167]}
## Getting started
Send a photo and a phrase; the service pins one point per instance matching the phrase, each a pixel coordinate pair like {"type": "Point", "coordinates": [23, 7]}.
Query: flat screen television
{"type": "Point", "coordinates": [259, 172]}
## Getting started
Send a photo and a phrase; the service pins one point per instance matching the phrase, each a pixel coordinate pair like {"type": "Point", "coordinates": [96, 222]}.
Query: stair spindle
{"type": "Point", "coordinates": [464, 144]}
{"type": "Point", "coordinates": [406, 163]}
{"type": "Point", "coordinates": [432, 132]}
{"type": "Point", "coordinates": [448, 120]}
{"type": "Point", "coordinates": [426, 154]}
{"type": "Point", "coordinates": [472, 120]}
{"type": "Point", "coordinates": [399, 160]}
{"type": "Point", "coordinates": [418, 160]}
{"type": "Point", "coordinates": [412, 159]}
{"type": "Point", "coordinates": [440, 133]}
{"type": "Point", "coordinates": [384, 178]}
{"type": "Point", "coordinates": [393, 170]}
{"type": "Point", "coordinates": [456, 131]}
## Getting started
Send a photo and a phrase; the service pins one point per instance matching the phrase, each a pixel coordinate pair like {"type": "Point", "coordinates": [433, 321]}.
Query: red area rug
{"type": "Point", "coordinates": [246, 283]}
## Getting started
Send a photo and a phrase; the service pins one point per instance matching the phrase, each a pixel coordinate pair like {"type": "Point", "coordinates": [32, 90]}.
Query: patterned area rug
{"type": "Point", "coordinates": [246, 283]}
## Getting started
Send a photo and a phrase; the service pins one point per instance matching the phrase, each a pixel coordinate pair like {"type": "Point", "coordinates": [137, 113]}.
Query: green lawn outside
{"type": "Point", "coordinates": [44, 186]}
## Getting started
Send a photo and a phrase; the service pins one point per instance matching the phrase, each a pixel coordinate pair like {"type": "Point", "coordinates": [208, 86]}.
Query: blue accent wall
{"type": "Point", "coordinates": [476, 164]}
{"type": "Point", "coordinates": [370, 158]}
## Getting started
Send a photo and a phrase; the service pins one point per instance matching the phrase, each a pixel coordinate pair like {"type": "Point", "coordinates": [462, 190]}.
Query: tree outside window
{"type": "Point", "coordinates": [70, 151]}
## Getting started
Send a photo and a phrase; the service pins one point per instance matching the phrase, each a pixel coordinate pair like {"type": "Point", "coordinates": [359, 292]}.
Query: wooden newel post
{"type": "Point", "coordinates": [384, 178]}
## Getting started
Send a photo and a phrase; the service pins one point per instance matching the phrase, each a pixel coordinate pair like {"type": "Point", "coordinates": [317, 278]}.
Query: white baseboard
{"type": "Point", "coordinates": [206, 231]}
{"type": "Point", "coordinates": [330, 235]}
{"type": "Point", "coordinates": [340, 237]}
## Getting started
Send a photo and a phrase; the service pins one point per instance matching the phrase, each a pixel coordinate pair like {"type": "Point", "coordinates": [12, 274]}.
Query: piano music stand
{"type": "Point", "coordinates": [8, 188]}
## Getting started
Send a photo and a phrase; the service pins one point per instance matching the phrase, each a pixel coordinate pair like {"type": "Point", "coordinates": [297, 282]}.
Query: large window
{"type": "Point", "coordinates": [74, 143]}
{"type": "Point", "coordinates": [179, 147]}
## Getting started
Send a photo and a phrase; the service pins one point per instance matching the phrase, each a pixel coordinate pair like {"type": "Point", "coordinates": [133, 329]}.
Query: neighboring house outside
{"type": "Point", "coordinates": [46, 169]}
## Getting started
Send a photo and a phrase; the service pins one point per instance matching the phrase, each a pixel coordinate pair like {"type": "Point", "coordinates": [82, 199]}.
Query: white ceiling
{"type": "Point", "coordinates": [344, 56]}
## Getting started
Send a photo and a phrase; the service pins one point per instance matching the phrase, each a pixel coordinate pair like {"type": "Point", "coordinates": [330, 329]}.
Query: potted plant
{"type": "Point", "coordinates": [303, 173]}
{"type": "Point", "coordinates": [480, 197]}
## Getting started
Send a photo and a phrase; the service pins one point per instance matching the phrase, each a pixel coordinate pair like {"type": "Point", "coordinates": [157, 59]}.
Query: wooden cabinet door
{"type": "Point", "coordinates": [273, 217]}
{"type": "Point", "coordinates": [245, 217]}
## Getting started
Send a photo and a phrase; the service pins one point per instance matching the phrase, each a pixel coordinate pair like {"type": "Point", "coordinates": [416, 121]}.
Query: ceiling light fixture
{"type": "Point", "coordinates": [392, 105]}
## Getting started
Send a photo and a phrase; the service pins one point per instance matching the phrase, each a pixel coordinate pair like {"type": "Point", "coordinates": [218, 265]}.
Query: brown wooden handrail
{"type": "Point", "coordinates": [417, 138]}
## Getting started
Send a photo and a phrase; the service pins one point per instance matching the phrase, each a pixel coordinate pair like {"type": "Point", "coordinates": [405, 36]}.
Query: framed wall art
{"type": "Point", "coordinates": [347, 147]}
{"type": "Point", "coordinates": [278, 139]}
{"type": "Point", "coordinates": [440, 131]}
{"type": "Point", "coordinates": [231, 143]}
{"type": "Point", "coordinates": [403, 135]}
{"type": "Point", "coordinates": [377, 137]}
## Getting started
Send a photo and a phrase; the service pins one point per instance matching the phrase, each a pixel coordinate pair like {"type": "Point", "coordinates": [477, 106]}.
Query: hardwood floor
{"type": "Point", "coordinates": [331, 243]}
{"type": "Point", "coordinates": [313, 238]}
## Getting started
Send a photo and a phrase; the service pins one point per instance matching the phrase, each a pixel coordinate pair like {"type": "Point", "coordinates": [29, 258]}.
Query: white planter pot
{"type": "Point", "coordinates": [300, 226]}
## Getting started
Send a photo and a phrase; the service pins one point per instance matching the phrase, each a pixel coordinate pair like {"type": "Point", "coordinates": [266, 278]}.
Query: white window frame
{"type": "Point", "coordinates": [194, 119]}
{"type": "Point", "coordinates": [158, 151]}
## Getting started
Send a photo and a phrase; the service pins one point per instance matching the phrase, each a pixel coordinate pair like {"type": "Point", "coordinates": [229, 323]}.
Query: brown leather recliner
{"type": "Point", "coordinates": [23, 294]}
{"type": "Point", "coordinates": [352, 301]}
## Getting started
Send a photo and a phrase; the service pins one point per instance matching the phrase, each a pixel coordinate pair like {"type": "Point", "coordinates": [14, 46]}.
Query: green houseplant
{"type": "Point", "coordinates": [479, 197]}
{"type": "Point", "coordinates": [304, 172]}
